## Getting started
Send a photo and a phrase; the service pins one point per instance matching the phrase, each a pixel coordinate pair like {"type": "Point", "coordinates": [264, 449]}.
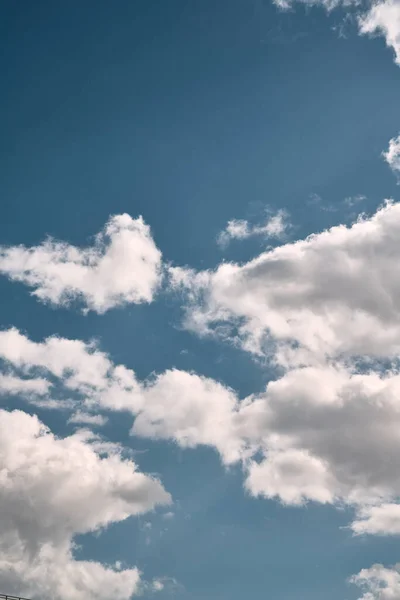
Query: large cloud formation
{"type": "Point", "coordinates": [52, 489]}
{"type": "Point", "coordinates": [123, 266]}
{"type": "Point", "coordinates": [333, 294]}
{"type": "Point", "coordinates": [326, 311]}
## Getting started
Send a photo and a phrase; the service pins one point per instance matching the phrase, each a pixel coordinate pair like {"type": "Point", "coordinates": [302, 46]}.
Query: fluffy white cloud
{"type": "Point", "coordinates": [324, 432]}
{"type": "Point", "coordinates": [123, 266]}
{"type": "Point", "coordinates": [328, 435]}
{"type": "Point", "coordinates": [327, 310]}
{"type": "Point", "coordinates": [335, 293]}
{"type": "Point", "coordinates": [191, 410]}
{"type": "Point", "coordinates": [185, 407]}
{"type": "Point", "coordinates": [392, 156]}
{"type": "Point", "coordinates": [80, 365]}
{"type": "Point", "coordinates": [378, 520]}
{"type": "Point", "coordinates": [241, 229]}
{"type": "Point", "coordinates": [379, 583]}
{"type": "Point", "coordinates": [384, 18]}
{"type": "Point", "coordinates": [52, 489]}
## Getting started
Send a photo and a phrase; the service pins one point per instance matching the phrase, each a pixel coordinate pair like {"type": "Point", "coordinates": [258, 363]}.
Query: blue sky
{"type": "Point", "coordinates": [195, 115]}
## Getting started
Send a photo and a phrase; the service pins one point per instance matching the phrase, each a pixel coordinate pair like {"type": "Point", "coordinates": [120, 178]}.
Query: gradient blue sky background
{"type": "Point", "coordinates": [192, 113]}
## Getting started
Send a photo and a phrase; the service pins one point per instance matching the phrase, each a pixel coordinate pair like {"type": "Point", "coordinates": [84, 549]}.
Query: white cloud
{"type": "Point", "coordinates": [384, 18]}
{"type": "Point", "coordinates": [185, 407]}
{"type": "Point", "coordinates": [392, 156]}
{"type": "Point", "coordinates": [82, 417]}
{"type": "Point", "coordinates": [379, 583]}
{"type": "Point", "coordinates": [123, 266]}
{"type": "Point", "coordinates": [328, 426]}
{"type": "Point", "coordinates": [328, 435]}
{"type": "Point", "coordinates": [191, 410]}
{"type": "Point", "coordinates": [335, 293]}
{"type": "Point", "coordinates": [326, 432]}
{"type": "Point", "coordinates": [52, 489]}
{"type": "Point", "coordinates": [378, 520]}
{"type": "Point", "coordinates": [240, 229]}
{"type": "Point", "coordinates": [9, 384]}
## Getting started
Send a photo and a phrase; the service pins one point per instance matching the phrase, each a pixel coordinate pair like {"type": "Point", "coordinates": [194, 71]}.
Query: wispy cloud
{"type": "Point", "coordinates": [240, 229]}
{"type": "Point", "coordinates": [392, 155]}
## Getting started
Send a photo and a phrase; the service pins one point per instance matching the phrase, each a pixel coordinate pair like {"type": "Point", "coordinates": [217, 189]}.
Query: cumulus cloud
{"type": "Point", "coordinates": [240, 229]}
{"type": "Point", "coordinates": [323, 432]}
{"type": "Point", "coordinates": [378, 520]}
{"type": "Point", "coordinates": [379, 583]}
{"type": "Point", "coordinates": [123, 266]}
{"type": "Point", "coordinates": [392, 155]}
{"type": "Point", "coordinates": [333, 294]}
{"type": "Point", "coordinates": [191, 410]}
{"type": "Point", "coordinates": [328, 435]}
{"type": "Point", "coordinates": [326, 432]}
{"type": "Point", "coordinates": [326, 310]}
{"type": "Point", "coordinates": [185, 407]}
{"type": "Point", "coordinates": [53, 489]}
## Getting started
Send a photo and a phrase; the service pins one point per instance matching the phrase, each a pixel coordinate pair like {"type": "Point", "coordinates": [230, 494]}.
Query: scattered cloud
{"type": "Point", "coordinates": [352, 201]}
{"type": "Point", "coordinates": [392, 155]}
{"type": "Point", "coordinates": [275, 227]}
{"type": "Point", "coordinates": [316, 201]}
{"type": "Point", "coordinates": [123, 266]}
{"type": "Point", "coordinates": [53, 489]}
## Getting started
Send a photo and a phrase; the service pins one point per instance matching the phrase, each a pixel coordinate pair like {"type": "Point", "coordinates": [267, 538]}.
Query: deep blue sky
{"type": "Point", "coordinates": [191, 113]}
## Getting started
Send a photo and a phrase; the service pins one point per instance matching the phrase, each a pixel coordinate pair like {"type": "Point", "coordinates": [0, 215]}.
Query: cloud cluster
{"type": "Point", "coordinates": [52, 489]}
{"type": "Point", "coordinates": [241, 229]}
{"type": "Point", "coordinates": [326, 311]}
{"type": "Point", "coordinates": [185, 407]}
{"type": "Point", "coordinates": [324, 432]}
{"type": "Point", "coordinates": [333, 294]}
{"type": "Point", "coordinates": [123, 266]}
